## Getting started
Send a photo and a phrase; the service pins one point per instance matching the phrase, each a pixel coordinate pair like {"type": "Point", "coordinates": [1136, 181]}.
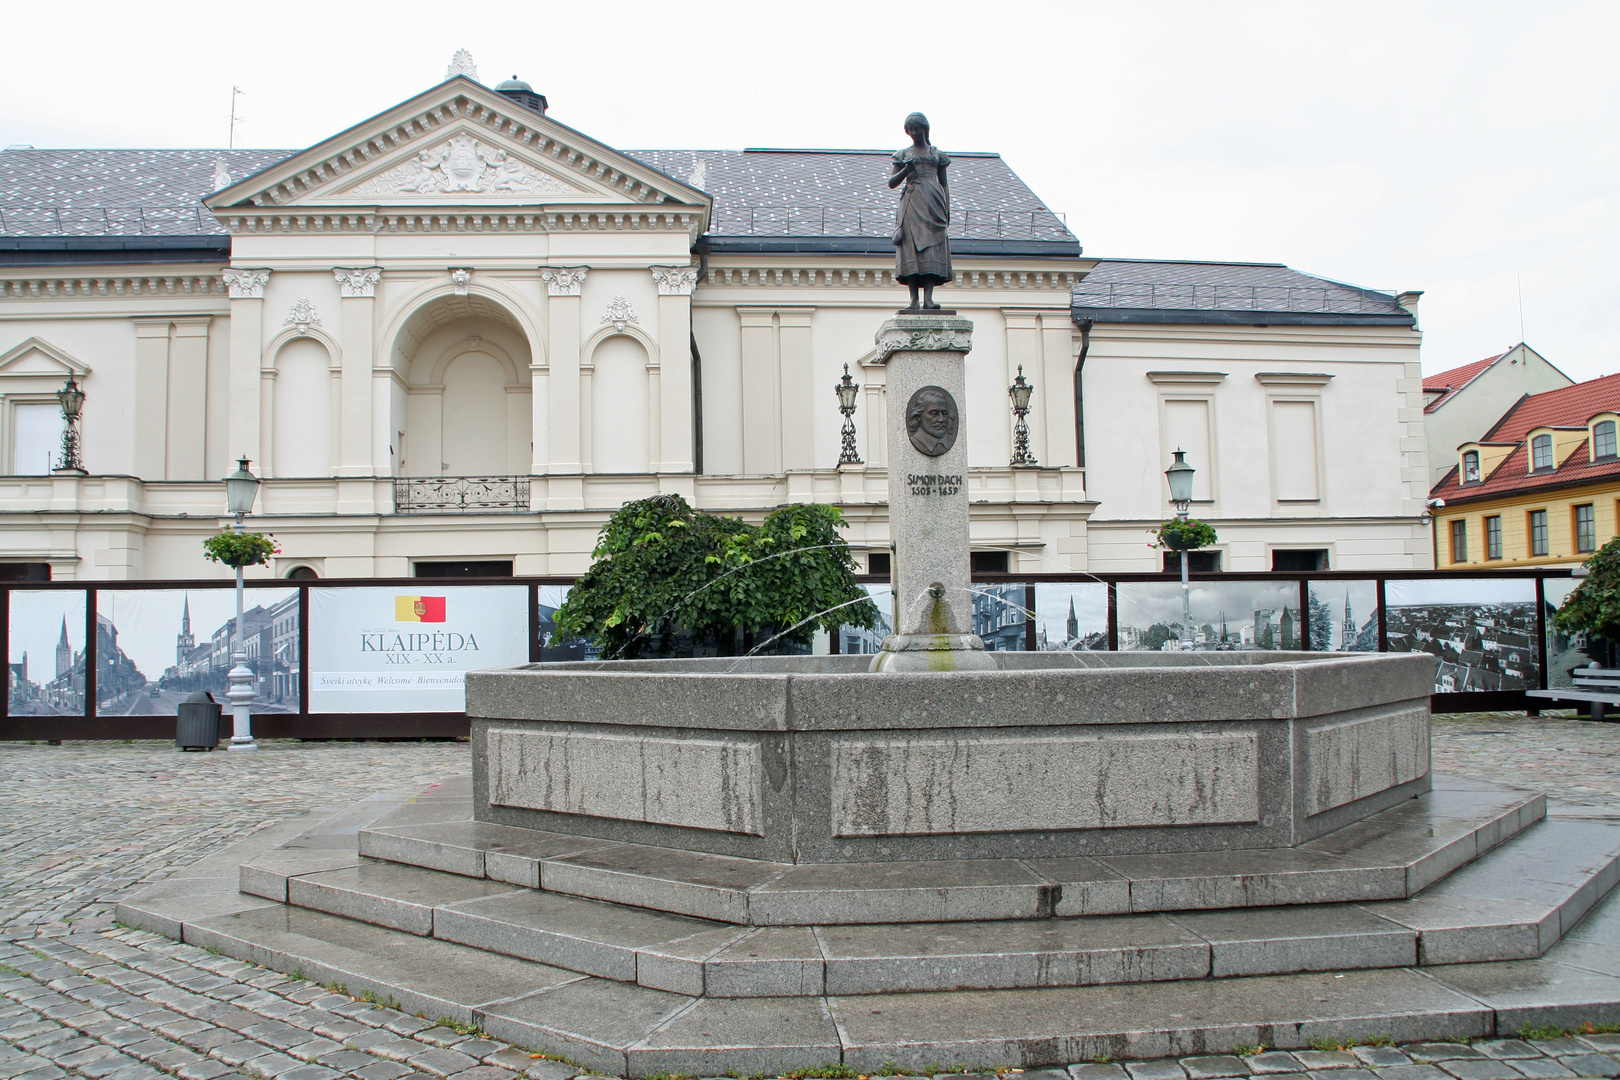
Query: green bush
{"type": "Point", "coordinates": [1594, 606]}
{"type": "Point", "coordinates": [662, 568]}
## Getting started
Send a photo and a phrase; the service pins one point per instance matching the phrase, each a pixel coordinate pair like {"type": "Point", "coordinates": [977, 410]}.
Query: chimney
{"type": "Point", "coordinates": [1408, 302]}
{"type": "Point", "coordinates": [522, 93]}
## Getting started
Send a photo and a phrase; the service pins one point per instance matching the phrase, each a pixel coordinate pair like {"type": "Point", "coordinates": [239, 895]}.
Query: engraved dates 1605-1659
{"type": "Point", "coordinates": [932, 420]}
{"type": "Point", "coordinates": [934, 483]}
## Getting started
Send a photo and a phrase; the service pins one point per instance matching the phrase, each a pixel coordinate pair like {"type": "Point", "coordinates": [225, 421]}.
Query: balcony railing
{"type": "Point", "coordinates": [461, 494]}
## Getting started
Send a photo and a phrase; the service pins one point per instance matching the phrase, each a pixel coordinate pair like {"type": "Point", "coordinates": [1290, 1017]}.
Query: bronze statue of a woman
{"type": "Point", "coordinates": [922, 252]}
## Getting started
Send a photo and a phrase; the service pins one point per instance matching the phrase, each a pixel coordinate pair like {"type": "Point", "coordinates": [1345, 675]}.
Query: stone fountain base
{"type": "Point", "coordinates": [794, 760]}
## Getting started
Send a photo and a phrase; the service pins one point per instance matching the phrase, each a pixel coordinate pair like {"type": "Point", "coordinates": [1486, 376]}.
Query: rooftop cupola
{"type": "Point", "coordinates": [522, 93]}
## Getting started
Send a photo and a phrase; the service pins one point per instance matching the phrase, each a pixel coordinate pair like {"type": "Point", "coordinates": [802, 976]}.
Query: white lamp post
{"type": "Point", "coordinates": [1180, 475]}
{"type": "Point", "coordinates": [241, 488]}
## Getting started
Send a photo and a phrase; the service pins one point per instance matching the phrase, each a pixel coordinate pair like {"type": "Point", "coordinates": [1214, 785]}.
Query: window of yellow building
{"type": "Point", "coordinates": [1493, 537]}
{"type": "Point", "coordinates": [1585, 528]}
{"type": "Point", "coordinates": [1470, 467]}
{"type": "Point", "coordinates": [1603, 440]}
{"type": "Point", "coordinates": [1538, 531]}
{"type": "Point", "coordinates": [1541, 453]}
{"type": "Point", "coordinates": [1459, 541]}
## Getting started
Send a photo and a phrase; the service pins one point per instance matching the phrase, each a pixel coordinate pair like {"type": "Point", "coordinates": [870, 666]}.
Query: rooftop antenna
{"type": "Point", "coordinates": [230, 143]}
{"type": "Point", "coordinates": [1520, 278]}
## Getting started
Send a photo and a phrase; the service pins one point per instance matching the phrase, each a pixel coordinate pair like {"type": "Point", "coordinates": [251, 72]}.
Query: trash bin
{"type": "Point", "coordinates": [197, 726]}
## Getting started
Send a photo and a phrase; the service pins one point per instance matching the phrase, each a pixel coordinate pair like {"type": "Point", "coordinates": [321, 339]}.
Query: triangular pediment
{"type": "Point", "coordinates": [38, 357]}
{"type": "Point", "coordinates": [459, 144]}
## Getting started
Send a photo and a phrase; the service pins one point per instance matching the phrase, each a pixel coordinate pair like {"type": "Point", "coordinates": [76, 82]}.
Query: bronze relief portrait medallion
{"type": "Point", "coordinates": [932, 420]}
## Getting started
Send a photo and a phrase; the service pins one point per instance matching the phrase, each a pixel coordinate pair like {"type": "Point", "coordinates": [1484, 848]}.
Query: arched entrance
{"type": "Point", "coordinates": [462, 404]}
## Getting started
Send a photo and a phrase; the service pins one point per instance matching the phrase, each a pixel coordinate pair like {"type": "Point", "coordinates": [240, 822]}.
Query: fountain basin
{"type": "Point", "coordinates": [815, 759]}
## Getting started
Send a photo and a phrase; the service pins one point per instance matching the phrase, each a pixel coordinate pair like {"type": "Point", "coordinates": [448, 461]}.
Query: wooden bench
{"type": "Point", "coordinates": [1599, 687]}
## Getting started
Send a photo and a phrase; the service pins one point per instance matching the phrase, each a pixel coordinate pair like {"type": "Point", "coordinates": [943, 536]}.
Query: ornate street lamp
{"type": "Point", "coordinates": [1180, 476]}
{"type": "Point", "coordinates": [241, 488]}
{"type": "Point", "coordinates": [847, 391]}
{"type": "Point", "coordinates": [71, 398]}
{"type": "Point", "coordinates": [1020, 392]}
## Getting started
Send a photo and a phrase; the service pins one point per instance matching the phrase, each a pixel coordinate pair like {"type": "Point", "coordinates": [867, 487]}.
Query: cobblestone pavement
{"type": "Point", "coordinates": [85, 824]}
{"type": "Point", "coordinates": [1575, 761]}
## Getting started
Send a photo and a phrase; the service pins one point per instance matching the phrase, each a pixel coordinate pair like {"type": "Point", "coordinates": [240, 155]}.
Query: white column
{"type": "Point", "coordinates": [673, 451]}
{"type": "Point", "coordinates": [562, 349]}
{"type": "Point", "coordinates": [356, 406]}
{"type": "Point", "coordinates": [246, 290]}
{"type": "Point", "coordinates": [797, 409]}
{"type": "Point", "coordinates": [150, 405]}
{"type": "Point", "coordinates": [188, 397]}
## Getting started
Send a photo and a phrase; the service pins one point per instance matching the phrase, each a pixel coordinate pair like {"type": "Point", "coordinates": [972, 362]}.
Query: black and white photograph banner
{"type": "Point", "coordinates": [1481, 630]}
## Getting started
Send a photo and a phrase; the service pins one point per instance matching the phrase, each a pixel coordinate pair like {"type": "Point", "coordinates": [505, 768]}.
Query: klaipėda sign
{"type": "Point", "coordinates": [370, 652]}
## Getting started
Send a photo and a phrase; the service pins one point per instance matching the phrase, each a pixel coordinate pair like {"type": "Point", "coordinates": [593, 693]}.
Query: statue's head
{"type": "Point", "coordinates": [917, 122]}
{"type": "Point", "coordinates": [931, 412]}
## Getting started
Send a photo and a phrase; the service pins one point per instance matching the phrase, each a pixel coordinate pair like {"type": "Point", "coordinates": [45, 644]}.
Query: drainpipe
{"type": "Point", "coordinates": [1079, 395]}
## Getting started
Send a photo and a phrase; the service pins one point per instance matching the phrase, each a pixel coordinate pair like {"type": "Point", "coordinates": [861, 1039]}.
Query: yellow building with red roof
{"type": "Point", "coordinates": [1541, 487]}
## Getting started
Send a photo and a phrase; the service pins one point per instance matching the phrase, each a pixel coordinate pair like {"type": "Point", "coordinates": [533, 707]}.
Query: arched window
{"type": "Point", "coordinates": [302, 573]}
{"type": "Point", "coordinates": [1603, 441]}
{"type": "Point", "coordinates": [1541, 453]}
{"type": "Point", "coordinates": [1470, 467]}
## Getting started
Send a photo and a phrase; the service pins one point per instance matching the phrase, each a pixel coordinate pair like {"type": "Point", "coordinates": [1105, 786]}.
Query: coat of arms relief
{"type": "Point", "coordinates": [461, 163]}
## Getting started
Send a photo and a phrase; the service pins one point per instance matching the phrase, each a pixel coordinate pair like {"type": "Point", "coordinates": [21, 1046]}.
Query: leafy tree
{"type": "Point", "coordinates": [1322, 626]}
{"type": "Point", "coordinates": [1594, 606]}
{"type": "Point", "coordinates": [662, 568]}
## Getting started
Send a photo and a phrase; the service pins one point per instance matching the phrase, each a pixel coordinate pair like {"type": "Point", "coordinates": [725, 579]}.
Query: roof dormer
{"type": "Point", "coordinates": [1477, 460]}
{"type": "Point", "coordinates": [1603, 437]}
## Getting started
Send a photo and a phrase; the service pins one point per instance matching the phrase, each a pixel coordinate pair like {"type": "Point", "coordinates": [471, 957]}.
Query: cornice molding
{"type": "Point", "coordinates": [1196, 378]}
{"type": "Point", "coordinates": [881, 277]}
{"type": "Point", "coordinates": [113, 285]}
{"type": "Point", "coordinates": [250, 220]}
{"type": "Point", "coordinates": [1292, 378]}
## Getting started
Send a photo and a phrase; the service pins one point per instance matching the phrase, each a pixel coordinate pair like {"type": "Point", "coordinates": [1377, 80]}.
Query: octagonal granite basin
{"type": "Point", "coordinates": [815, 759]}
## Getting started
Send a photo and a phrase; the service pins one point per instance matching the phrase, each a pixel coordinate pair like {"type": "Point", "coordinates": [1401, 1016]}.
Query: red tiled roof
{"type": "Point", "coordinates": [1447, 383]}
{"type": "Point", "coordinates": [1569, 406]}
{"type": "Point", "coordinates": [1510, 476]}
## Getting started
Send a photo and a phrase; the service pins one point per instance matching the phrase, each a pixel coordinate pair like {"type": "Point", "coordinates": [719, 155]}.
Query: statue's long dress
{"type": "Point", "coordinates": [922, 253]}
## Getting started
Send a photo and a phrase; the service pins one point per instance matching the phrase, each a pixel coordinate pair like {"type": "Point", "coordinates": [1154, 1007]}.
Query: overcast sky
{"type": "Point", "coordinates": [1460, 148]}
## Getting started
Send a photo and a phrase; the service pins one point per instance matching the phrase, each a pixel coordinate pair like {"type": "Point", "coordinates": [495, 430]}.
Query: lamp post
{"type": "Point", "coordinates": [71, 398]}
{"type": "Point", "coordinates": [241, 488]}
{"type": "Point", "coordinates": [1020, 392]}
{"type": "Point", "coordinates": [847, 391]}
{"type": "Point", "coordinates": [1180, 475]}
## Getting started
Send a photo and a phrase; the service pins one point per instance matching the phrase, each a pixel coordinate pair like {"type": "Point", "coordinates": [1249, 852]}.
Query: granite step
{"type": "Point", "coordinates": [1389, 856]}
{"type": "Point", "coordinates": [629, 1030]}
{"type": "Point", "coordinates": [1513, 903]}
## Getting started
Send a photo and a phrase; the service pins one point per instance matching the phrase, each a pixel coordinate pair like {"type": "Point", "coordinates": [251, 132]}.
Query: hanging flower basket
{"type": "Point", "coordinates": [240, 549]}
{"type": "Point", "coordinates": [1189, 535]}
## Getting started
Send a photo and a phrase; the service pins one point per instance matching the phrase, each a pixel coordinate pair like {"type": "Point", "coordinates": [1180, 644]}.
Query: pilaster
{"type": "Point", "coordinates": [795, 410]}
{"type": "Point", "coordinates": [356, 448]}
{"type": "Point", "coordinates": [761, 437]}
{"type": "Point", "coordinates": [672, 404]}
{"type": "Point", "coordinates": [564, 430]}
{"type": "Point", "coordinates": [188, 398]}
{"type": "Point", "coordinates": [148, 457]}
{"type": "Point", "coordinates": [246, 289]}
{"type": "Point", "coordinates": [1056, 390]}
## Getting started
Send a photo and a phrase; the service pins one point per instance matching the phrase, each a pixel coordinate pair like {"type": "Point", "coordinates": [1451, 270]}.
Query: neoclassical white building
{"type": "Point", "coordinates": [461, 332]}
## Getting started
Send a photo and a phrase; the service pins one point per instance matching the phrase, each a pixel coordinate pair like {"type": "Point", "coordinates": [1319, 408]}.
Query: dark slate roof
{"type": "Point", "coordinates": [57, 206]}
{"type": "Point", "coordinates": [1153, 291]}
{"type": "Point", "coordinates": [54, 202]}
{"type": "Point", "coordinates": [839, 200]}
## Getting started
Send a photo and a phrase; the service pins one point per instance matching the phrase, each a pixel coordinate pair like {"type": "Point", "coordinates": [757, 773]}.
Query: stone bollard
{"type": "Point", "coordinates": [928, 496]}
